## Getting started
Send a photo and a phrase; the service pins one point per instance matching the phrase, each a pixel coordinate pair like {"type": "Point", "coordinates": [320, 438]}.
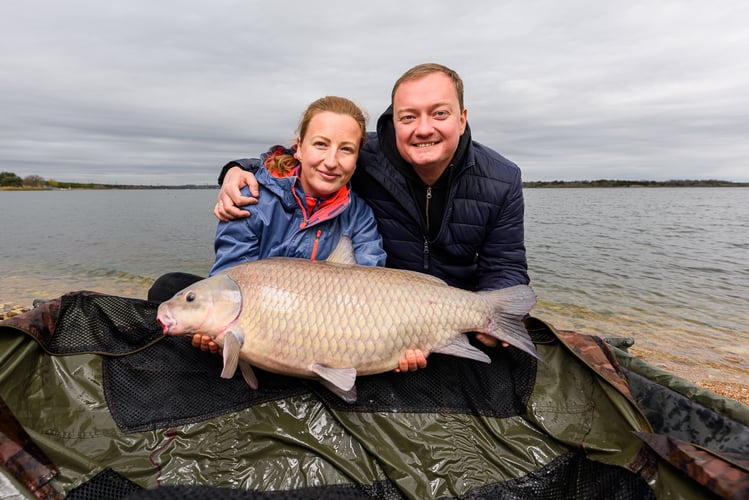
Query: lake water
{"type": "Point", "coordinates": [667, 266]}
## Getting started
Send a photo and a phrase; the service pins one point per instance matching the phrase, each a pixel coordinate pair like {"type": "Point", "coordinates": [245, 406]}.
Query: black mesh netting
{"type": "Point", "coordinates": [172, 383]}
{"type": "Point", "coordinates": [103, 323]}
{"type": "Point", "coordinates": [167, 383]}
{"type": "Point", "coordinates": [450, 385]}
{"type": "Point", "coordinates": [383, 490]}
{"type": "Point", "coordinates": [570, 476]}
{"type": "Point", "coordinates": [107, 484]}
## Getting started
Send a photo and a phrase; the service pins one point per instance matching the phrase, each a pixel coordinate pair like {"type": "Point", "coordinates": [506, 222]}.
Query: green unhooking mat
{"type": "Point", "coordinates": [118, 411]}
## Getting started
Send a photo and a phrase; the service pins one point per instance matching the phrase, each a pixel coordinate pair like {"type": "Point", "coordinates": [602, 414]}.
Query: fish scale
{"type": "Point", "coordinates": [335, 320]}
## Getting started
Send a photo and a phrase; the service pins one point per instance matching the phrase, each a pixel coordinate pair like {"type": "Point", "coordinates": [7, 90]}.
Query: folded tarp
{"type": "Point", "coordinates": [116, 408]}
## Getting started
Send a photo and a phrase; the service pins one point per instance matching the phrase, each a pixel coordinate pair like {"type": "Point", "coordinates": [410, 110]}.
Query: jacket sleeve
{"type": "Point", "coordinates": [236, 241]}
{"type": "Point", "coordinates": [502, 262]}
{"type": "Point", "coordinates": [249, 164]}
{"type": "Point", "coordinates": [362, 229]}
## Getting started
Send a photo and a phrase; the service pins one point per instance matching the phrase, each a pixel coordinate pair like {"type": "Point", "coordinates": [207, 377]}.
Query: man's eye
{"type": "Point", "coordinates": [406, 119]}
{"type": "Point", "coordinates": [190, 297]}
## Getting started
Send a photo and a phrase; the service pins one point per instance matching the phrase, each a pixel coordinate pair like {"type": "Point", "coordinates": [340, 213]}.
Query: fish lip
{"type": "Point", "coordinates": [166, 322]}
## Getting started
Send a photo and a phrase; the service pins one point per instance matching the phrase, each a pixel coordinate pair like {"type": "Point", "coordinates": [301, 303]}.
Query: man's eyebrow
{"type": "Point", "coordinates": [432, 107]}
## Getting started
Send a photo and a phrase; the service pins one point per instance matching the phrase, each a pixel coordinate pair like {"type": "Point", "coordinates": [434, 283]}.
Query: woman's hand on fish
{"type": "Point", "coordinates": [205, 343]}
{"type": "Point", "coordinates": [230, 198]}
{"type": "Point", "coordinates": [413, 359]}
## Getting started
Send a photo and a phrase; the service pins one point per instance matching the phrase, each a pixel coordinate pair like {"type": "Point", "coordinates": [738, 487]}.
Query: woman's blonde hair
{"type": "Point", "coordinates": [281, 165]}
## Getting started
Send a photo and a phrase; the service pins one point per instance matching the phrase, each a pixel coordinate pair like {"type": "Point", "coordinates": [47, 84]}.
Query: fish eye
{"type": "Point", "coordinates": [190, 297]}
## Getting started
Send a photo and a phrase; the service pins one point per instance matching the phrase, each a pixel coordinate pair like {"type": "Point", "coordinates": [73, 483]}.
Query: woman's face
{"type": "Point", "coordinates": [328, 153]}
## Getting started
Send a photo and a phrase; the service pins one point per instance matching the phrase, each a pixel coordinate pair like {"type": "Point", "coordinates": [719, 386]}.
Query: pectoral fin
{"type": "Point", "coordinates": [232, 346]}
{"type": "Point", "coordinates": [341, 381]}
{"type": "Point", "coordinates": [248, 375]}
{"type": "Point", "coordinates": [348, 396]}
{"type": "Point", "coordinates": [463, 349]}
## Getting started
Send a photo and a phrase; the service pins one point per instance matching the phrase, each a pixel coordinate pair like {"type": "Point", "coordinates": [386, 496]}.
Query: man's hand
{"type": "Point", "coordinates": [411, 361]}
{"type": "Point", "coordinates": [230, 197]}
{"type": "Point", "coordinates": [489, 341]}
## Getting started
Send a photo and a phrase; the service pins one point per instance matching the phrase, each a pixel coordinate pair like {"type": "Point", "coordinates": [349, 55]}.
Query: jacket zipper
{"type": "Point", "coordinates": [426, 237]}
{"type": "Point", "coordinates": [426, 210]}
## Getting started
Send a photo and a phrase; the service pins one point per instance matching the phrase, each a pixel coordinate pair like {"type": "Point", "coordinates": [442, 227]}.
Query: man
{"type": "Point", "coordinates": [445, 205]}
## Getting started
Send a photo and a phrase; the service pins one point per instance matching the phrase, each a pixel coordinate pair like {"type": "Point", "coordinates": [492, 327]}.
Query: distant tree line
{"type": "Point", "coordinates": [610, 183]}
{"type": "Point", "coordinates": [9, 180]}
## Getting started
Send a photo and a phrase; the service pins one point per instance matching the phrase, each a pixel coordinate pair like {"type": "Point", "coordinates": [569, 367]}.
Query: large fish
{"type": "Point", "coordinates": [334, 320]}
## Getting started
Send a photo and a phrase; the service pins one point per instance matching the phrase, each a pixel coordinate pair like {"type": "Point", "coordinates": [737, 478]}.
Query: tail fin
{"type": "Point", "coordinates": [510, 306]}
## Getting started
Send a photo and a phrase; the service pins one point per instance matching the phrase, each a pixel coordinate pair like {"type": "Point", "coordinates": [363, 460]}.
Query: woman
{"type": "Point", "coordinates": [306, 203]}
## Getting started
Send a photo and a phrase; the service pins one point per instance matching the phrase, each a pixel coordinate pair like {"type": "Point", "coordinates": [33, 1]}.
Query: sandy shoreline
{"type": "Point", "coordinates": [733, 390]}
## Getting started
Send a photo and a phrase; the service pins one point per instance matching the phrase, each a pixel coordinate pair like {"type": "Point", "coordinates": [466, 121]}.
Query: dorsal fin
{"type": "Point", "coordinates": [343, 253]}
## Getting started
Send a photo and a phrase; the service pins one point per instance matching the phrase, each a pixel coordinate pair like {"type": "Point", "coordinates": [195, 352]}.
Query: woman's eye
{"type": "Point", "coordinates": [190, 297]}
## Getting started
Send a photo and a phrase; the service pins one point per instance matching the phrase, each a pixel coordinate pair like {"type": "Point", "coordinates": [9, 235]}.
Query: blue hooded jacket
{"type": "Point", "coordinates": [277, 226]}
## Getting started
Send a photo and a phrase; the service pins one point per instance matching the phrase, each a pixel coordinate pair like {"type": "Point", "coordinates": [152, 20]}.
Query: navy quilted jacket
{"type": "Point", "coordinates": [480, 242]}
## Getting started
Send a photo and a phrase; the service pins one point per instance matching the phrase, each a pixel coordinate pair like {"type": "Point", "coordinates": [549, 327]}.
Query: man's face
{"type": "Point", "coordinates": [428, 122]}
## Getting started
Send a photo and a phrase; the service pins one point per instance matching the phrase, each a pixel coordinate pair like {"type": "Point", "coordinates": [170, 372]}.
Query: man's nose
{"type": "Point", "coordinates": [424, 125]}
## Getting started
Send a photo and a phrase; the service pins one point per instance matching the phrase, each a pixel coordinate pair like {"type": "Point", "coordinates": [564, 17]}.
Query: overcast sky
{"type": "Point", "coordinates": [165, 92]}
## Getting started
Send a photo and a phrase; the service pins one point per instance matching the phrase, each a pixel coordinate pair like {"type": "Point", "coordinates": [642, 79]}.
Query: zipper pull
{"type": "Point", "coordinates": [315, 244]}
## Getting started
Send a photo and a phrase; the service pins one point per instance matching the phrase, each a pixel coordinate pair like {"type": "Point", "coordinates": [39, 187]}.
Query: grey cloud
{"type": "Point", "coordinates": [147, 92]}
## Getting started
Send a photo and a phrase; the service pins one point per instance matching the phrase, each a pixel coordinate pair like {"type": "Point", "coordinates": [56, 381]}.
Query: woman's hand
{"type": "Point", "coordinates": [205, 343]}
{"type": "Point", "coordinates": [489, 341]}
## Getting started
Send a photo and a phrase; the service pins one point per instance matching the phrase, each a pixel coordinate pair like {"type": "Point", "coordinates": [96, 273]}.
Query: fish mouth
{"type": "Point", "coordinates": [166, 323]}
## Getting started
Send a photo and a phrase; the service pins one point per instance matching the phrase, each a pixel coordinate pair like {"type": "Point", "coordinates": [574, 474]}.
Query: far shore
{"type": "Point", "coordinates": [600, 183]}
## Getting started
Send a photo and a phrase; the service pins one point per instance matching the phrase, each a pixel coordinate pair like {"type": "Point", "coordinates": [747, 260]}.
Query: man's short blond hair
{"type": "Point", "coordinates": [422, 70]}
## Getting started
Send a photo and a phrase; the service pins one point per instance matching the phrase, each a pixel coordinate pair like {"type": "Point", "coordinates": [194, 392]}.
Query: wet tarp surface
{"type": "Point", "coordinates": [116, 410]}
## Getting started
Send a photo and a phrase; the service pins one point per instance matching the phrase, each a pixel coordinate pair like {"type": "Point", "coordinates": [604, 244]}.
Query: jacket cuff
{"type": "Point", "coordinates": [249, 166]}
